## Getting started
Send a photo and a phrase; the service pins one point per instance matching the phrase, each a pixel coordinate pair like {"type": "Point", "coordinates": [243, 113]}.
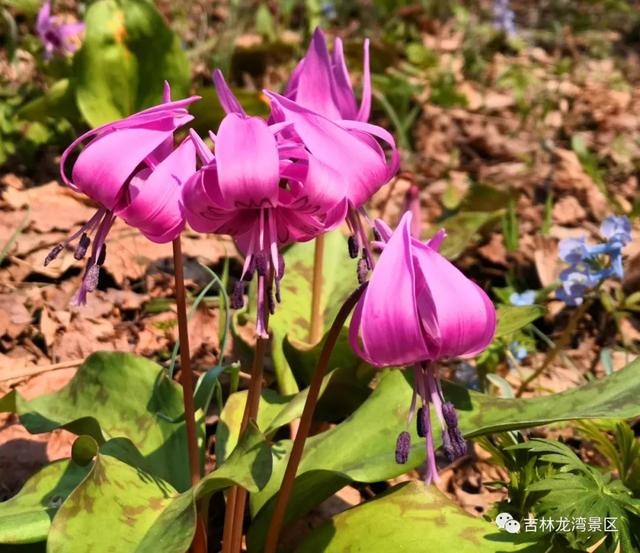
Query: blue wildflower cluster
{"type": "Point", "coordinates": [590, 265]}
{"type": "Point", "coordinates": [503, 17]}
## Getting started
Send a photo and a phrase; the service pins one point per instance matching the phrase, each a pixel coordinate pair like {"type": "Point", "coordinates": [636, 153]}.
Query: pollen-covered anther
{"type": "Point", "coordinates": [55, 252]}
{"type": "Point", "coordinates": [403, 445]}
{"type": "Point", "coordinates": [363, 270]}
{"type": "Point", "coordinates": [449, 414]}
{"type": "Point", "coordinates": [237, 296]}
{"type": "Point", "coordinates": [92, 277]}
{"type": "Point", "coordinates": [83, 246]}
{"type": "Point", "coordinates": [261, 264]}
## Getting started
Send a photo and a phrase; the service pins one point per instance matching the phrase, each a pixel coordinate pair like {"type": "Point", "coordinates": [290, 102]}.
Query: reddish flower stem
{"type": "Point", "coordinates": [186, 373]}
{"type": "Point", "coordinates": [315, 320]}
{"type": "Point", "coordinates": [286, 487]}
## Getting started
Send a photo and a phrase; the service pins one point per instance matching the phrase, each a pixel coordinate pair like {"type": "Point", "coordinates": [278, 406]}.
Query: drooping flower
{"type": "Point", "coordinates": [321, 82]}
{"type": "Point", "coordinates": [131, 170]}
{"type": "Point", "coordinates": [419, 308]}
{"type": "Point", "coordinates": [57, 36]}
{"type": "Point", "coordinates": [320, 101]}
{"type": "Point", "coordinates": [255, 186]}
{"type": "Point", "coordinates": [592, 264]}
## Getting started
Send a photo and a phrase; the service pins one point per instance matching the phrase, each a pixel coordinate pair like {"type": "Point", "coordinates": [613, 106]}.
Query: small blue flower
{"type": "Point", "coordinates": [518, 351]}
{"type": "Point", "coordinates": [467, 375]}
{"type": "Point", "coordinates": [528, 297]}
{"type": "Point", "coordinates": [573, 250]}
{"type": "Point", "coordinates": [616, 229]}
{"type": "Point", "coordinates": [503, 17]}
{"type": "Point", "coordinates": [576, 281]}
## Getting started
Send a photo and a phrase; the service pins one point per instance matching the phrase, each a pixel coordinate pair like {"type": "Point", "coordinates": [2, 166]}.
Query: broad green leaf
{"type": "Point", "coordinates": [117, 395]}
{"type": "Point", "coordinates": [362, 447]}
{"type": "Point", "coordinates": [127, 53]}
{"type": "Point", "coordinates": [409, 516]}
{"type": "Point", "coordinates": [143, 513]}
{"type": "Point", "coordinates": [291, 319]}
{"type": "Point", "coordinates": [514, 317]}
{"type": "Point", "coordinates": [26, 517]}
{"type": "Point", "coordinates": [58, 100]}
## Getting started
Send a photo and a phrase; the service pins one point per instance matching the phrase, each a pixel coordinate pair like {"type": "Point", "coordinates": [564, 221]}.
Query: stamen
{"type": "Point", "coordinates": [363, 270]}
{"type": "Point", "coordinates": [450, 415]}
{"type": "Point", "coordinates": [421, 423]}
{"type": "Point", "coordinates": [271, 304]}
{"type": "Point", "coordinates": [403, 445]}
{"type": "Point", "coordinates": [91, 278]}
{"type": "Point", "coordinates": [354, 246]}
{"type": "Point", "coordinates": [102, 255]}
{"type": "Point", "coordinates": [261, 264]}
{"type": "Point", "coordinates": [376, 235]}
{"type": "Point", "coordinates": [237, 296]}
{"type": "Point", "coordinates": [83, 246]}
{"type": "Point", "coordinates": [55, 252]}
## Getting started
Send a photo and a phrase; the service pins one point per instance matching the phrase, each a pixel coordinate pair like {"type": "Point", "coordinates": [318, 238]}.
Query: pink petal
{"type": "Point", "coordinates": [154, 205]}
{"type": "Point", "coordinates": [360, 169]}
{"type": "Point", "coordinates": [390, 326]}
{"type": "Point", "coordinates": [107, 163]}
{"type": "Point", "coordinates": [342, 90]}
{"type": "Point", "coordinates": [464, 316]}
{"type": "Point", "coordinates": [248, 164]}
{"type": "Point", "coordinates": [314, 80]}
{"type": "Point", "coordinates": [365, 102]}
{"type": "Point", "coordinates": [228, 101]}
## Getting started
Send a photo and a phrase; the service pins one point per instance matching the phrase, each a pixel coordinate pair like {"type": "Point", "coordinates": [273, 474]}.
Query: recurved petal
{"type": "Point", "coordinates": [342, 91]}
{"type": "Point", "coordinates": [201, 212]}
{"type": "Point", "coordinates": [108, 161]}
{"type": "Point", "coordinates": [465, 318]}
{"type": "Point", "coordinates": [229, 102]}
{"type": "Point", "coordinates": [389, 325]}
{"type": "Point", "coordinates": [360, 168]}
{"type": "Point", "coordinates": [314, 80]}
{"type": "Point", "coordinates": [248, 162]}
{"type": "Point", "coordinates": [154, 203]}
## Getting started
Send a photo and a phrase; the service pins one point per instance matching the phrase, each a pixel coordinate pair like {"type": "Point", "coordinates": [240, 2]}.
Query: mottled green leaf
{"type": "Point", "coordinates": [409, 516]}
{"type": "Point", "coordinates": [362, 447]}
{"type": "Point", "coordinates": [514, 317]}
{"type": "Point", "coordinates": [143, 513]}
{"type": "Point", "coordinates": [127, 53]}
{"type": "Point", "coordinates": [26, 517]}
{"type": "Point", "coordinates": [117, 395]}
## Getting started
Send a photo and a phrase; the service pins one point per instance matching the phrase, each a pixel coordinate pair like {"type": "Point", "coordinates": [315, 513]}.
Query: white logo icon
{"type": "Point", "coordinates": [506, 522]}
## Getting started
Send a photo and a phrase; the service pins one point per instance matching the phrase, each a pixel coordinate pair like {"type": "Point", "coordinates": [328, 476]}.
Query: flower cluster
{"type": "Point", "coordinates": [591, 264]}
{"type": "Point", "coordinates": [57, 36]}
{"type": "Point", "coordinates": [307, 168]}
{"type": "Point", "coordinates": [503, 17]}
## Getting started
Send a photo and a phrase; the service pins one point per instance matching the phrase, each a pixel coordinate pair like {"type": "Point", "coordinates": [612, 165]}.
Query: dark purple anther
{"type": "Point", "coordinates": [278, 298]}
{"type": "Point", "coordinates": [83, 245]}
{"type": "Point", "coordinates": [237, 296]}
{"type": "Point", "coordinates": [102, 255]}
{"type": "Point", "coordinates": [446, 446]}
{"type": "Point", "coordinates": [271, 304]}
{"type": "Point", "coordinates": [363, 270]}
{"type": "Point", "coordinates": [261, 264]}
{"type": "Point", "coordinates": [91, 278]}
{"type": "Point", "coordinates": [353, 246]}
{"type": "Point", "coordinates": [280, 265]}
{"type": "Point", "coordinates": [449, 414]}
{"type": "Point", "coordinates": [422, 422]}
{"type": "Point", "coordinates": [403, 445]}
{"type": "Point", "coordinates": [55, 252]}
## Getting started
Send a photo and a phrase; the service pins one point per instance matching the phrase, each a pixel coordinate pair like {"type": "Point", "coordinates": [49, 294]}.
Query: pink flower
{"type": "Point", "coordinates": [256, 187]}
{"type": "Point", "coordinates": [56, 36]}
{"type": "Point", "coordinates": [321, 82]}
{"type": "Point", "coordinates": [418, 309]}
{"type": "Point", "coordinates": [131, 169]}
{"type": "Point", "coordinates": [345, 151]}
